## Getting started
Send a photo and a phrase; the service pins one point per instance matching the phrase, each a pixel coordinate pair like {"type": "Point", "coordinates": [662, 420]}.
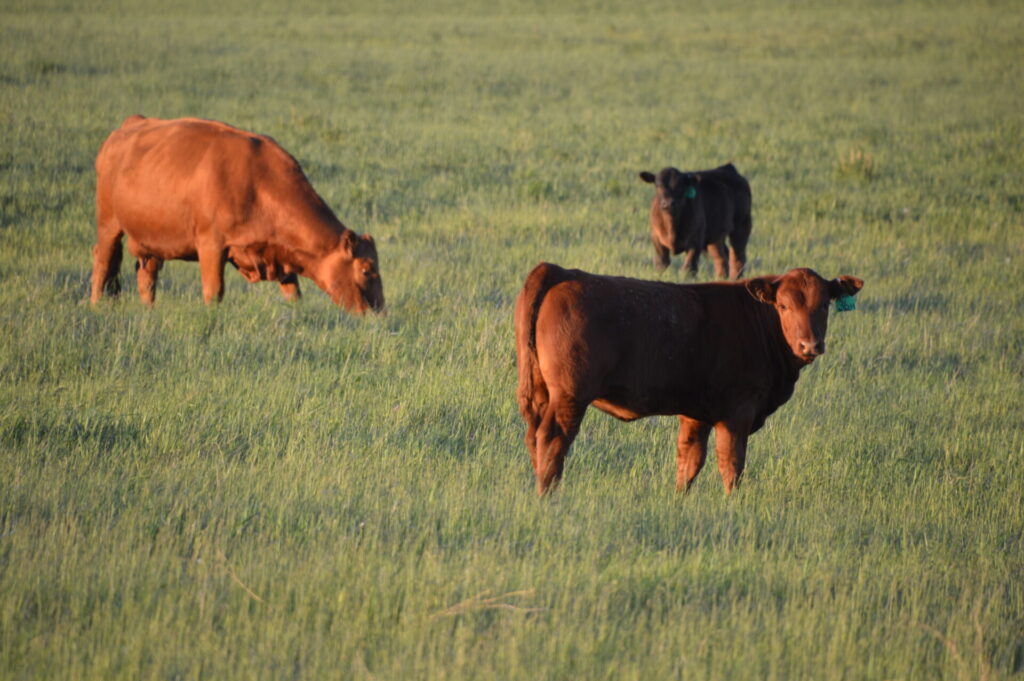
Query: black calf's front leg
{"type": "Point", "coordinates": [662, 256]}
{"type": "Point", "coordinates": [720, 256]}
{"type": "Point", "coordinates": [691, 261]}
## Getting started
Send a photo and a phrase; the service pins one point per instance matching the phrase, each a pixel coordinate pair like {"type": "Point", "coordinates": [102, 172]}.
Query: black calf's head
{"type": "Point", "coordinates": [673, 188]}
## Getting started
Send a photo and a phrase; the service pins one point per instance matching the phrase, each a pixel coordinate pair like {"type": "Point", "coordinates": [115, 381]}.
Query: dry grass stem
{"type": "Point", "coordinates": [481, 601]}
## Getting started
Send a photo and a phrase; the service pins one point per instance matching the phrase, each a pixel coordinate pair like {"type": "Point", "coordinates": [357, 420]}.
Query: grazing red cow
{"type": "Point", "coordinates": [723, 355]}
{"type": "Point", "coordinates": [191, 189]}
{"type": "Point", "coordinates": [696, 211]}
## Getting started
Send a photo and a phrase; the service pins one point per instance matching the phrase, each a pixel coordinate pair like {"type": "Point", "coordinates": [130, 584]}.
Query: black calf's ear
{"type": "Point", "coordinates": [844, 285]}
{"type": "Point", "coordinates": [762, 289]}
{"type": "Point", "coordinates": [647, 177]}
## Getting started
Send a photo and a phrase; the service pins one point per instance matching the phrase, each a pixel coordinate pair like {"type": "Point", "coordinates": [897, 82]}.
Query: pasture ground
{"type": "Point", "coordinates": [266, 490]}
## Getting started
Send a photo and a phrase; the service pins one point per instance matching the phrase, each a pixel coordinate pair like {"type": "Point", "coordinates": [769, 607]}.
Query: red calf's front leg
{"type": "Point", "coordinates": [731, 448]}
{"type": "Point", "coordinates": [692, 451]}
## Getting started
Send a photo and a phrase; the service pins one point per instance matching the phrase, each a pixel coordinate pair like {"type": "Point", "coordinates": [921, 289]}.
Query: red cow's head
{"type": "Point", "coordinates": [801, 299]}
{"type": "Point", "coordinates": [351, 276]}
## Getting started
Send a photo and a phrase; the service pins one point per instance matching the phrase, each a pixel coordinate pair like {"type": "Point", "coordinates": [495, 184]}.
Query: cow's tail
{"type": "Point", "coordinates": [538, 283]}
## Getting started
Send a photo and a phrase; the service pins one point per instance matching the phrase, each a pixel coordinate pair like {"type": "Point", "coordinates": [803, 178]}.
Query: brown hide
{"type": "Point", "coordinates": [192, 189]}
{"type": "Point", "coordinates": [696, 211]}
{"type": "Point", "coordinates": [722, 355]}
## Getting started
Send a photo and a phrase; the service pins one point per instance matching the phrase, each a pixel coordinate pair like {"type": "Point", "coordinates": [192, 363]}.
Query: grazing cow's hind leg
{"type": "Point", "coordinates": [106, 262]}
{"type": "Point", "coordinates": [692, 451]}
{"type": "Point", "coordinates": [557, 430]}
{"type": "Point", "coordinates": [146, 270]}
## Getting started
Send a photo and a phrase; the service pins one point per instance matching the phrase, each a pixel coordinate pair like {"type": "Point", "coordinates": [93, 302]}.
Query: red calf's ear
{"type": "Point", "coordinates": [762, 289]}
{"type": "Point", "coordinates": [844, 285]}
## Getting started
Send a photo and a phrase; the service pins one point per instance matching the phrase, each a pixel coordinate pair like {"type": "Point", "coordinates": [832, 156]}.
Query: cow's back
{"type": "Point", "coordinates": [171, 183]}
{"type": "Point", "coordinates": [148, 151]}
{"type": "Point", "coordinates": [626, 340]}
{"type": "Point", "coordinates": [726, 199]}
{"type": "Point", "coordinates": [638, 348]}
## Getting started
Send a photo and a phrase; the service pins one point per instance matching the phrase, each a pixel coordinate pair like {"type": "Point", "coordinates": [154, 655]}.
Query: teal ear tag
{"type": "Point", "coordinates": [845, 303]}
{"type": "Point", "coordinates": [691, 192]}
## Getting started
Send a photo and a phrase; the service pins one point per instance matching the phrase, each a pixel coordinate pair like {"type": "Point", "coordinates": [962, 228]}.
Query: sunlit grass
{"type": "Point", "coordinates": [266, 490]}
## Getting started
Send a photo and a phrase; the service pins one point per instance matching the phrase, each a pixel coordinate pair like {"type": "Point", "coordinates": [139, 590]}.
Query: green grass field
{"type": "Point", "coordinates": [262, 490]}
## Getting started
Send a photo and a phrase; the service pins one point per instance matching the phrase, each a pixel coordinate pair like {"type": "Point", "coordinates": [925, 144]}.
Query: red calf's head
{"type": "Point", "coordinates": [801, 298]}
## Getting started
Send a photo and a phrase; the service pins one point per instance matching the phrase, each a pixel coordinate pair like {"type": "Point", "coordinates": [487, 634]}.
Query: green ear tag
{"type": "Point", "coordinates": [845, 303]}
{"type": "Point", "coordinates": [691, 192]}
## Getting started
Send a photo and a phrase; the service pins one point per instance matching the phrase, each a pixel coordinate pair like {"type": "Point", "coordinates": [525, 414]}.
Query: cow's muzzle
{"type": "Point", "coordinates": [809, 350]}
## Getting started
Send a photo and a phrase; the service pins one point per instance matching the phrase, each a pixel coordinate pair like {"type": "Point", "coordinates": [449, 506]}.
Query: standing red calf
{"type": "Point", "coordinates": [719, 355]}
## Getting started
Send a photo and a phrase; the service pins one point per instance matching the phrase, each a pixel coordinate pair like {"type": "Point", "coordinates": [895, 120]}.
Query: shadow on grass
{"type": "Point", "coordinates": [61, 435]}
{"type": "Point", "coordinates": [907, 302]}
{"type": "Point", "coordinates": [74, 282]}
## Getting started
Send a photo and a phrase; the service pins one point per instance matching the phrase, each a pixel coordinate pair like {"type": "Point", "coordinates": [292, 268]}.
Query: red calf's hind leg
{"type": "Point", "coordinates": [558, 429]}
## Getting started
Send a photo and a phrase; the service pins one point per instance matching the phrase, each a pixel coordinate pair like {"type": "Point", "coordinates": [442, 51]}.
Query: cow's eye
{"type": "Point", "coordinates": [783, 307]}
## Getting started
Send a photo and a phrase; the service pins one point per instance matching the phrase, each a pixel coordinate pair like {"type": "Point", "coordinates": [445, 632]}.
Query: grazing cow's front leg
{"type": "Point", "coordinates": [146, 270]}
{"type": "Point", "coordinates": [731, 447]}
{"type": "Point", "coordinates": [693, 447]}
{"type": "Point", "coordinates": [290, 287]}
{"type": "Point", "coordinates": [558, 428]}
{"type": "Point", "coordinates": [212, 258]}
